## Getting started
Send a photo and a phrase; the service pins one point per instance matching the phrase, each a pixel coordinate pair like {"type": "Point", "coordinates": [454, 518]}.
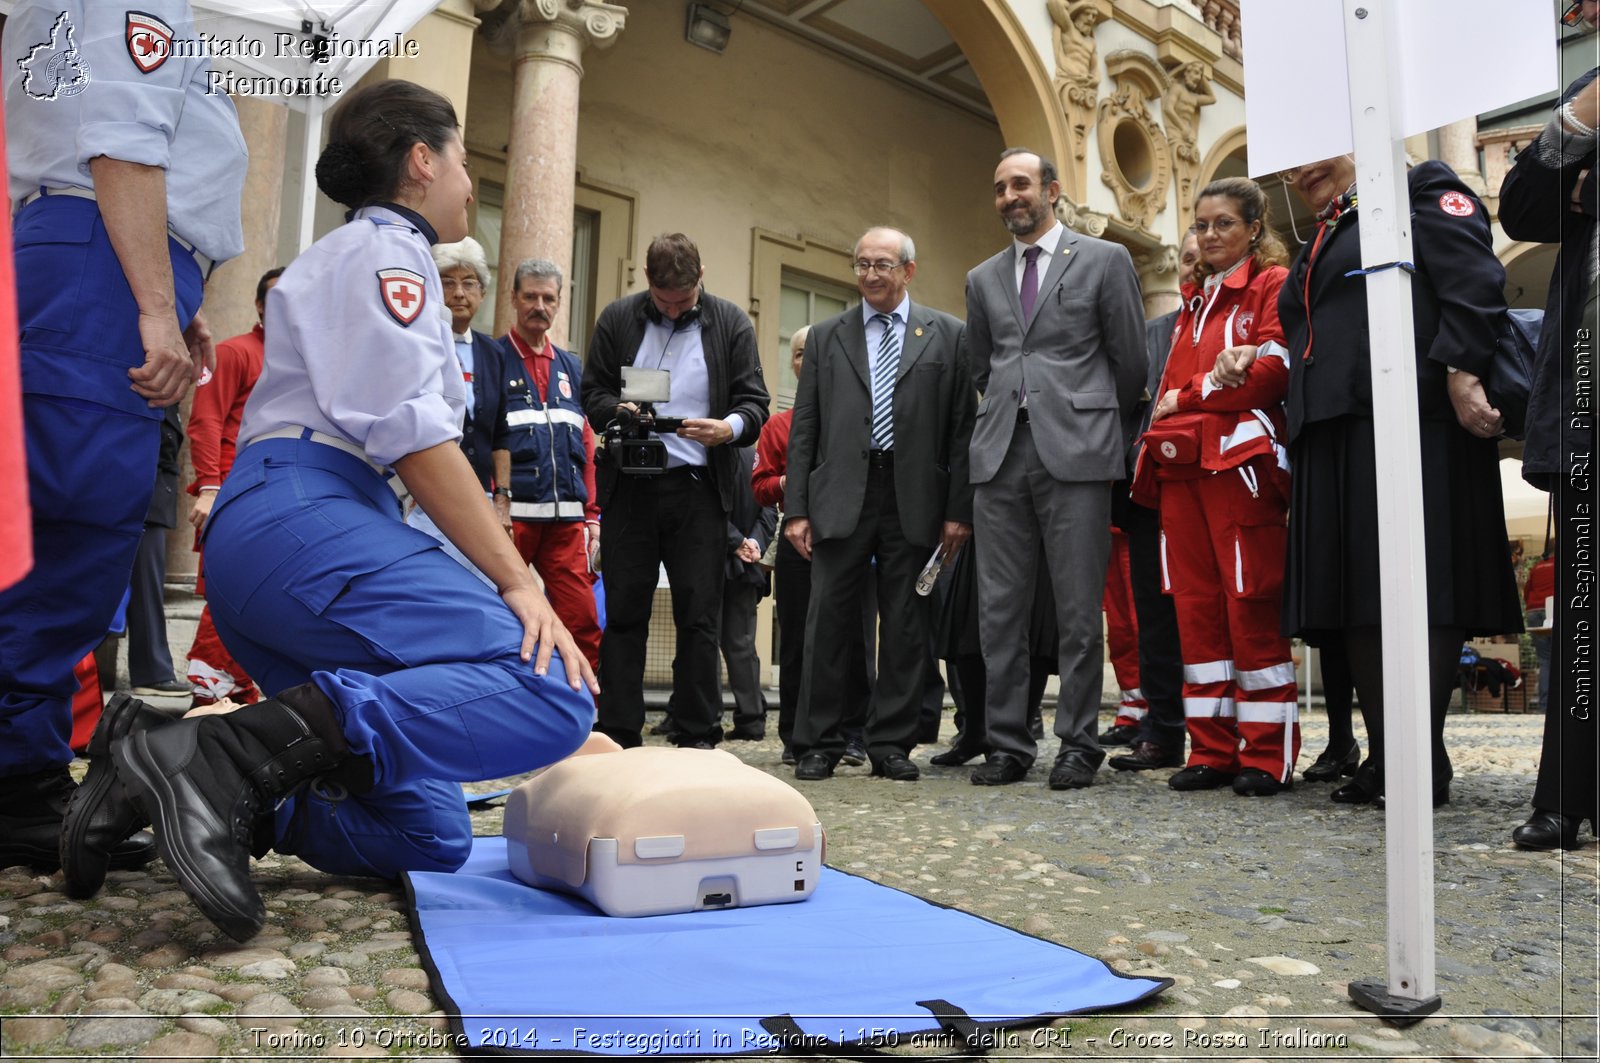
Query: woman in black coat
{"type": "Point", "coordinates": [1551, 196]}
{"type": "Point", "coordinates": [1332, 588]}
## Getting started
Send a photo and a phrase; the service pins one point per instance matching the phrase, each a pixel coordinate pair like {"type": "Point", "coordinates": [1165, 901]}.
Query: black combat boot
{"type": "Point", "coordinates": [206, 781]}
{"type": "Point", "coordinates": [32, 808]}
{"type": "Point", "coordinates": [102, 812]}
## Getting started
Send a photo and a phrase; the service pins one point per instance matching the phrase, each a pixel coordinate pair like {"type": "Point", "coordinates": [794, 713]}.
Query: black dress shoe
{"type": "Point", "coordinates": [1121, 734]}
{"type": "Point", "coordinates": [855, 752]}
{"type": "Point", "coordinates": [101, 812]}
{"type": "Point", "coordinates": [1363, 788]}
{"type": "Point", "coordinates": [1441, 796]}
{"type": "Point", "coordinates": [667, 727]}
{"type": "Point", "coordinates": [1071, 773]}
{"type": "Point", "coordinates": [788, 754]}
{"type": "Point", "coordinates": [1253, 782]}
{"type": "Point", "coordinates": [1200, 777]}
{"type": "Point", "coordinates": [744, 733]}
{"type": "Point", "coordinates": [1332, 764]}
{"type": "Point", "coordinates": [897, 767]}
{"type": "Point", "coordinates": [958, 754]}
{"type": "Point", "coordinates": [1001, 769]}
{"type": "Point", "coordinates": [1147, 755]}
{"type": "Point", "coordinates": [1547, 830]}
{"type": "Point", "coordinates": [813, 767]}
{"type": "Point", "coordinates": [32, 808]}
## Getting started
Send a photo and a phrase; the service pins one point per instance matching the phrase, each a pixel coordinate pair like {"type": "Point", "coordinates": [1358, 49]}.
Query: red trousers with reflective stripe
{"type": "Point", "coordinates": [1122, 631]}
{"type": "Point", "coordinates": [1222, 561]}
{"type": "Point", "coordinates": [556, 551]}
{"type": "Point", "coordinates": [211, 670]}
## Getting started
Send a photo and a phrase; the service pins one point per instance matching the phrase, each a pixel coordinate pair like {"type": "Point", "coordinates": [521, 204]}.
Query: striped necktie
{"type": "Point", "coordinates": [885, 367]}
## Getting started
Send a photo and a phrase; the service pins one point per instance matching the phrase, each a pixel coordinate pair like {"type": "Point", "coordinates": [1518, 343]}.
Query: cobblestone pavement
{"type": "Point", "coordinates": [1261, 910]}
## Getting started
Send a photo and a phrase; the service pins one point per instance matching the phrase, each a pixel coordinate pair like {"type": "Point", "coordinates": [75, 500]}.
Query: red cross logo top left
{"type": "Point", "coordinates": [149, 41]}
{"type": "Point", "coordinates": [404, 292]}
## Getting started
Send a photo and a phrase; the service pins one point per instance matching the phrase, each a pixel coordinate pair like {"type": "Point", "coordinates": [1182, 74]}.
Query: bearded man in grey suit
{"type": "Point", "coordinates": [877, 473]}
{"type": "Point", "coordinates": [1055, 330]}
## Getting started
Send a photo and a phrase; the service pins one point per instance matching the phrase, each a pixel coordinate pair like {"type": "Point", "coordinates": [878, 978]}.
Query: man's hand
{"type": "Point", "coordinates": [1473, 411]}
{"type": "Point", "coordinates": [202, 506]}
{"type": "Point", "coordinates": [749, 551]}
{"type": "Point", "coordinates": [956, 534]}
{"type": "Point", "coordinates": [1231, 366]}
{"type": "Point", "coordinates": [502, 510]}
{"type": "Point", "coordinates": [168, 367]}
{"type": "Point", "coordinates": [202, 351]}
{"type": "Point", "coordinates": [707, 431]}
{"type": "Point", "coordinates": [591, 542]}
{"type": "Point", "coordinates": [798, 531]}
{"type": "Point", "coordinates": [1168, 403]}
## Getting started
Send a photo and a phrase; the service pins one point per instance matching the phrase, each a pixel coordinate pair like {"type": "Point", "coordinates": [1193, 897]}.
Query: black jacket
{"type": "Point", "coordinates": [1534, 206]}
{"type": "Point", "coordinates": [1457, 300]}
{"type": "Point", "coordinates": [733, 370]}
{"type": "Point", "coordinates": [749, 520]}
{"type": "Point", "coordinates": [163, 511]}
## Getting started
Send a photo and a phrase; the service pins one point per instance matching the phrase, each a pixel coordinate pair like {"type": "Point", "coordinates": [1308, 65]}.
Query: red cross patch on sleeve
{"type": "Point", "coordinates": [1457, 205]}
{"type": "Point", "coordinates": [149, 41]}
{"type": "Point", "coordinates": [404, 292]}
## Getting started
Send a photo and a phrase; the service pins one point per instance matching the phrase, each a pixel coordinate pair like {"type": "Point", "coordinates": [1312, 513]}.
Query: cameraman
{"type": "Point", "coordinates": [677, 519]}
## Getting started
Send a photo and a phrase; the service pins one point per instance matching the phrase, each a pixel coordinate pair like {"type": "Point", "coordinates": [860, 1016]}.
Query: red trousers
{"type": "Point", "coordinates": [1222, 554]}
{"type": "Point", "coordinates": [1122, 632]}
{"type": "Point", "coordinates": [212, 671]}
{"type": "Point", "coordinates": [555, 549]}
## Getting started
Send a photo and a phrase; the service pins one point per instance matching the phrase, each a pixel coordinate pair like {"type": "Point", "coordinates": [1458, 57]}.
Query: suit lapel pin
{"type": "Point", "coordinates": [919, 331]}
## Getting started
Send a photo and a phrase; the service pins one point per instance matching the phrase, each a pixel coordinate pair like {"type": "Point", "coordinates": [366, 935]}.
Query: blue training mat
{"type": "Point", "coordinates": [862, 965]}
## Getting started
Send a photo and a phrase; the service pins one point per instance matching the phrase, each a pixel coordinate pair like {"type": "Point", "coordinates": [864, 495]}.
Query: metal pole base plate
{"type": "Point", "coordinates": [1400, 1011]}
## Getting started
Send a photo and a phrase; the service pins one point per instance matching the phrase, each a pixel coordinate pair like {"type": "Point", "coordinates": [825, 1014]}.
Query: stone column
{"type": "Point", "coordinates": [1458, 148]}
{"type": "Point", "coordinates": [230, 303]}
{"type": "Point", "coordinates": [542, 154]}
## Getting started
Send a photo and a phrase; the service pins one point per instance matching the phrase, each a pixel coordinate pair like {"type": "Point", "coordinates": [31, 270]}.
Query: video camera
{"type": "Point", "coordinates": [632, 439]}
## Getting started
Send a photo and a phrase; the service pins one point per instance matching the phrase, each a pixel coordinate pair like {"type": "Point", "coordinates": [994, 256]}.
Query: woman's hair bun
{"type": "Point", "coordinates": [345, 174]}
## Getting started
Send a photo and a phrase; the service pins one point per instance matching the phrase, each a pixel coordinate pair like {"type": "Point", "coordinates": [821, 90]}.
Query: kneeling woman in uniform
{"type": "Point", "coordinates": [398, 673]}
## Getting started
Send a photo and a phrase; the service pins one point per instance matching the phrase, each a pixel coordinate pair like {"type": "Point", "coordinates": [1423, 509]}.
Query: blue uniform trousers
{"type": "Point", "coordinates": [91, 446]}
{"type": "Point", "coordinates": [312, 577]}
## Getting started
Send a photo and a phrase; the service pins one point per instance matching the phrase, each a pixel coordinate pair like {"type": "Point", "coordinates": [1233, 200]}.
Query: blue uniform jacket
{"type": "Point", "coordinates": [486, 428]}
{"type": "Point", "coordinates": [545, 436]}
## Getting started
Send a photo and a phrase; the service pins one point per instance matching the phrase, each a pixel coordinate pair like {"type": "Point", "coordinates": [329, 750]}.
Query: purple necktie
{"type": "Point", "coordinates": [1030, 283]}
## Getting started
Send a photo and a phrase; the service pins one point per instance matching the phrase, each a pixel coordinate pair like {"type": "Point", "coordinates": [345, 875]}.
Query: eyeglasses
{"type": "Point", "coordinates": [469, 285]}
{"type": "Point", "coordinates": [883, 266]}
{"type": "Point", "coordinates": [1221, 226]}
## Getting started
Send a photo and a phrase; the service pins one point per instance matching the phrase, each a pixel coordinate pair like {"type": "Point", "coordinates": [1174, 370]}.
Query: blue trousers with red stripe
{"type": "Point", "coordinates": [312, 577]}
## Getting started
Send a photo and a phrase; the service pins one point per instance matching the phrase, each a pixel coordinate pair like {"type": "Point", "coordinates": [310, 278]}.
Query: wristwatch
{"type": "Point", "coordinates": [498, 491]}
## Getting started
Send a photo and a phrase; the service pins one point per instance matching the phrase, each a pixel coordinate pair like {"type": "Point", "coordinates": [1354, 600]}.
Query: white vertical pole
{"type": "Point", "coordinates": [1374, 62]}
{"type": "Point", "coordinates": [308, 175]}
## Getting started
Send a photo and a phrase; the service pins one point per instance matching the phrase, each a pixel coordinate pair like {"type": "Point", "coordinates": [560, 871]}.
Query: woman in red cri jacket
{"type": "Point", "coordinates": [1215, 459]}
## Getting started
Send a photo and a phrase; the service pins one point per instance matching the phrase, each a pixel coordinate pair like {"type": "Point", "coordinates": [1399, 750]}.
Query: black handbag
{"type": "Point", "coordinates": [1510, 378]}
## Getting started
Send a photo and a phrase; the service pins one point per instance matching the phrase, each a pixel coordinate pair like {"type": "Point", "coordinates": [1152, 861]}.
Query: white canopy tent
{"type": "Point", "coordinates": [301, 54]}
{"type": "Point", "coordinates": [1327, 77]}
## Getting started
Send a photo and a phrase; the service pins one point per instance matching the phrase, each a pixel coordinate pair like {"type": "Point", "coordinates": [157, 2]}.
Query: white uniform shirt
{"type": "Point", "coordinates": [341, 356]}
{"type": "Point", "coordinates": [85, 78]}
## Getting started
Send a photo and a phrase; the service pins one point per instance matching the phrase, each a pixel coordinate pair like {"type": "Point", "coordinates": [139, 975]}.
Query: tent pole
{"type": "Point", "coordinates": [308, 185]}
{"type": "Point", "coordinates": [1372, 32]}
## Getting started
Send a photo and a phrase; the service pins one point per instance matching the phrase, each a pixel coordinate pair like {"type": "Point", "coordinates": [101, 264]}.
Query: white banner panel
{"type": "Point", "coordinates": [1462, 57]}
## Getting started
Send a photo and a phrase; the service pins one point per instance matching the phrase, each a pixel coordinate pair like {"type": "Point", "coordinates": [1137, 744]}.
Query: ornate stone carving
{"type": "Point", "coordinates": [585, 21]}
{"type": "Point", "coordinates": [1077, 78]}
{"type": "Point", "coordinates": [1081, 219]}
{"type": "Point", "coordinates": [1158, 278]}
{"type": "Point", "coordinates": [1188, 89]}
{"type": "Point", "coordinates": [1135, 161]}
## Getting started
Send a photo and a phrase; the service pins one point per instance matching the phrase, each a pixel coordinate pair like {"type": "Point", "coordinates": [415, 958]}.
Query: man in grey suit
{"type": "Point", "coordinates": [1055, 328]}
{"type": "Point", "coordinates": [877, 472]}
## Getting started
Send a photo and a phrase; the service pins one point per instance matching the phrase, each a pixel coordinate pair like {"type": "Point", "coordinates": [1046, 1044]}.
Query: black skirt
{"type": "Point", "coordinates": [1332, 580]}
